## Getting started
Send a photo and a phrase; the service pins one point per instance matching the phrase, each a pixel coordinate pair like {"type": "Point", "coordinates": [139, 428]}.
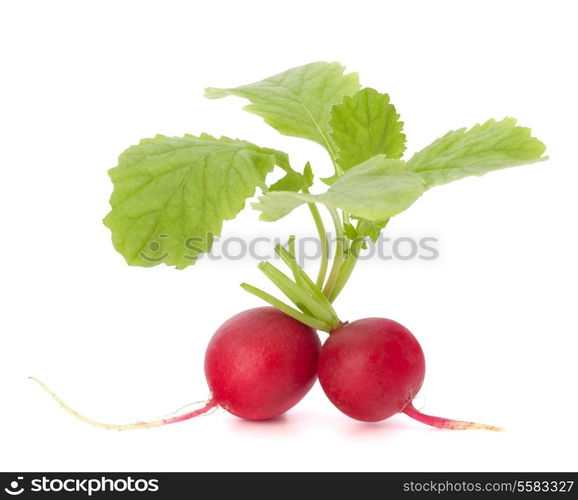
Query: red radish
{"type": "Point", "coordinates": [259, 364]}
{"type": "Point", "coordinates": [373, 368]}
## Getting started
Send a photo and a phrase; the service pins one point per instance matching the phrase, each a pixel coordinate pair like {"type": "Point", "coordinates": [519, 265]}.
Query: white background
{"type": "Point", "coordinates": [496, 313]}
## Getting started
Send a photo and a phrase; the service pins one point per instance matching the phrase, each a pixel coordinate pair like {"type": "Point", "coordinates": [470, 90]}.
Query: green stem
{"type": "Point", "coordinates": [291, 290]}
{"type": "Point", "coordinates": [290, 245]}
{"type": "Point", "coordinates": [294, 313]}
{"type": "Point", "coordinates": [347, 268]}
{"type": "Point", "coordinates": [304, 281]}
{"type": "Point", "coordinates": [339, 250]}
{"type": "Point", "coordinates": [300, 295]}
{"type": "Point", "coordinates": [324, 243]}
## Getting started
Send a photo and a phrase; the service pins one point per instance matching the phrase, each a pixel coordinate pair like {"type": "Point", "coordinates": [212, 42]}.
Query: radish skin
{"type": "Point", "coordinates": [261, 362]}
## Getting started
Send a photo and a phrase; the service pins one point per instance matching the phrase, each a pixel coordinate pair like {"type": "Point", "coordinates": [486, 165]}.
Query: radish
{"type": "Point", "coordinates": [259, 364]}
{"type": "Point", "coordinates": [373, 368]}
{"type": "Point", "coordinates": [172, 196]}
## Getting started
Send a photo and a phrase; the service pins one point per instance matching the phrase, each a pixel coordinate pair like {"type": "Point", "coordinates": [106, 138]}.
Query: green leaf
{"type": "Point", "coordinates": [491, 146]}
{"type": "Point", "coordinates": [364, 229]}
{"type": "Point", "coordinates": [281, 158]}
{"type": "Point", "coordinates": [292, 181]}
{"type": "Point", "coordinates": [364, 125]}
{"type": "Point", "coordinates": [329, 181]}
{"type": "Point", "coordinates": [275, 205]}
{"type": "Point", "coordinates": [375, 190]}
{"type": "Point", "coordinates": [297, 102]}
{"type": "Point", "coordinates": [370, 229]}
{"type": "Point", "coordinates": [308, 175]}
{"type": "Point", "coordinates": [172, 194]}
{"type": "Point", "coordinates": [350, 231]}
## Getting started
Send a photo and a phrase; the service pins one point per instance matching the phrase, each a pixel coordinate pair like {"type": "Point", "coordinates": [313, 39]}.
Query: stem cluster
{"type": "Point", "coordinates": [312, 300]}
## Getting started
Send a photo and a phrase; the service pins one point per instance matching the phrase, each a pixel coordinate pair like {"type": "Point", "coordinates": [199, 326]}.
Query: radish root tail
{"type": "Point", "coordinates": [446, 423]}
{"type": "Point", "coordinates": [209, 405]}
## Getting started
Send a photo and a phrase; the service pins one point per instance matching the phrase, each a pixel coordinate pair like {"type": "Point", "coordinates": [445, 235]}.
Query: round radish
{"type": "Point", "coordinates": [261, 362]}
{"type": "Point", "coordinates": [372, 369]}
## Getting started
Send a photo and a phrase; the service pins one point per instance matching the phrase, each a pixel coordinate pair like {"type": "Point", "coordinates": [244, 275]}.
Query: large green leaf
{"type": "Point", "coordinates": [375, 190]}
{"type": "Point", "coordinates": [491, 146]}
{"type": "Point", "coordinates": [297, 102]}
{"type": "Point", "coordinates": [364, 125]}
{"type": "Point", "coordinates": [172, 194]}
